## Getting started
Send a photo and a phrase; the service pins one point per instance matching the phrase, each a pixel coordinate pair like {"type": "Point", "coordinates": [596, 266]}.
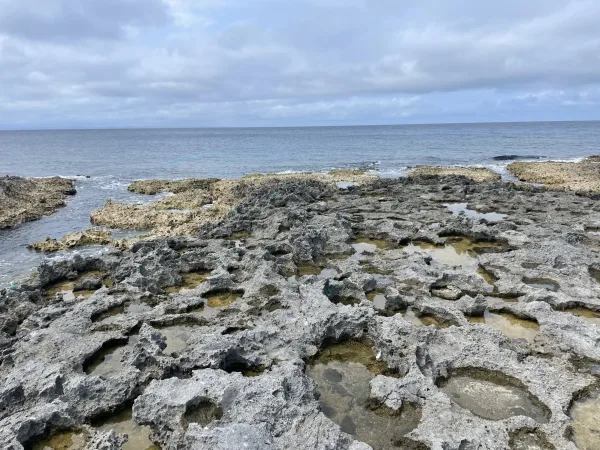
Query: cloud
{"type": "Point", "coordinates": [66, 20]}
{"type": "Point", "coordinates": [140, 62]}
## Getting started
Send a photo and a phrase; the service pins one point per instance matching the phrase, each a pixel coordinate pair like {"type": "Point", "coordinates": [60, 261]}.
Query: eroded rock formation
{"type": "Point", "coordinates": [25, 199]}
{"type": "Point", "coordinates": [473, 173]}
{"type": "Point", "coordinates": [250, 332]}
{"type": "Point", "coordinates": [583, 176]}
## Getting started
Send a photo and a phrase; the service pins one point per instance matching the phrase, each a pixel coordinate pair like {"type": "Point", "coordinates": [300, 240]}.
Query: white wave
{"type": "Point", "coordinates": [92, 250]}
{"type": "Point", "coordinates": [110, 183]}
{"type": "Point", "coordinates": [502, 170]}
{"type": "Point", "coordinates": [70, 177]}
{"type": "Point", "coordinates": [567, 160]}
{"type": "Point", "coordinates": [114, 186]}
{"type": "Point", "coordinates": [388, 172]}
{"type": "Point", "coordinates": [286, 172]}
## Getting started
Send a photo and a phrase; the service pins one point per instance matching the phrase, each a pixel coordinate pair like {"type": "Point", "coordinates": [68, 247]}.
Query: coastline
{"type": "Point", "coordinates": [186, 205]}
{"type": "Point", "coordinates": [255, 299]}
{"type": "Point", "coordinates": [174, 213]}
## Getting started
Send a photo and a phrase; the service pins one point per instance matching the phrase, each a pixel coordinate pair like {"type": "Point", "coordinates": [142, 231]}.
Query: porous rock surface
{"type": "Point", "coordinates": [91, 236]}
{"type": "Point", "coordinates": [151, 187]}
{"type": "Point", "coordinates": [474, 173]}
{"type": "Point", "coordinates": [26, 199]}
{"type": "Point", "coordinates": [581, 176]}
{"type": "Point", "coordinates": [196, 204]}
{"type": "Point", "coordinates": [202, 395]}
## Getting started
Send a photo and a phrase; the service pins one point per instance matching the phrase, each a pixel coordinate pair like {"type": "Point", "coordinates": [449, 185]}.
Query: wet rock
{"type": "Point", "coordinates": [515, 157]}
{"type": "Point", "coordinates": [584, 430]}
{"type": "Point", "coordinates": [88, 284]}
{"type": "Point", "coordinates": [106, 441]}
{"type": "Point", "coordinates": [492, 395]}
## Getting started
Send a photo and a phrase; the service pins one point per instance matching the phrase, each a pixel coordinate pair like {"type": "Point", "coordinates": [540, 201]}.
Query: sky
{"type": "Point", "coordinates": [205, 63]}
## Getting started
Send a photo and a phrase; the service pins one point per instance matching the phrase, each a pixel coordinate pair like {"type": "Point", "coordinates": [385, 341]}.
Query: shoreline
{"type": "Point", "coordinates": [372, 168]}
{"type": "Point", "coordinates": [203, 200]}
{"type": "Point", "coordinates": [69, 240]}
{"type": "Point", "coordinates": [254, 302]}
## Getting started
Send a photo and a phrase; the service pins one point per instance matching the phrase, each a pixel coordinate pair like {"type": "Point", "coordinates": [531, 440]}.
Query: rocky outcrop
{"type": "Point", "coordinates": [154, 220]}
{"type": "Point", "coordinates": [92, 236]}
{"type": "Point", "coordinates": [26, 199]}
{"type": "Point", "coordinates": [516, 157]}
{"type": "Point", "coordinates": [583, 176]}
{"type": "Point", "coordinates": [151, 187]}
{"type": "Point", "coordinates": [473, 173]}
{"type": "Point", "coordinates": [197, 203]}
{"type": "Point", "coordinates": [298, 266]}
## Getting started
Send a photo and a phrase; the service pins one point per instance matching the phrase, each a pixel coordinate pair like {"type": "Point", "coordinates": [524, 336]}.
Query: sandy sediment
{"type": "Point", "coordinates": [583, 176]}
{"type": "Point", "coordinates": [25, 199]}
{"type": "Point", "coordinates": [473, 173]}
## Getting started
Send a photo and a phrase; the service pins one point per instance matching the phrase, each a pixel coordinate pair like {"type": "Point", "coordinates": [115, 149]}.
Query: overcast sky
{"type": "Point", "coordinates": [128, 63]}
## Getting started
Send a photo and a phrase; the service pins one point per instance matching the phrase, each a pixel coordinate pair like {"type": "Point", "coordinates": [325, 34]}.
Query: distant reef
{"type": "Point", "coordinates": [516, 157]}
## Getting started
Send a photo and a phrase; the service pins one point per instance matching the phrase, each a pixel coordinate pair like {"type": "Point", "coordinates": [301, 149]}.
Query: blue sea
{"type": "Point", "coordinates": [104, 162]}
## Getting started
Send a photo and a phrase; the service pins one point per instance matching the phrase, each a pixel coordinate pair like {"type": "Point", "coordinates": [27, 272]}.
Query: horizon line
{"type": "Point", "coordinates": [133, 128]}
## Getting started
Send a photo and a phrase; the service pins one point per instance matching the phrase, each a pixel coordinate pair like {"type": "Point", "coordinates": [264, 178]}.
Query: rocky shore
{"type": "Point", "coordinates": [195, 204]}
{"type": "Point", "coordinates": [91, 236]}
{"type": "Point", "coordinates": [581, 176]}
{"type": "Point", "coordinates": [473, 173]}
{"type": "Point", "coordinates": [421, 313]}
{"type": "Point", "coordinates": [25, 199]}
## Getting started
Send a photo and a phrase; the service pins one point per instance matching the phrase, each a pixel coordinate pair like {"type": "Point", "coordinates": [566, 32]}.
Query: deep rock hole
{"type": "Point", "coordinates": [107, 349]}
{"type": "Point", "coordinates": [202, 411]}
{"type": "Point", "coordinates": [234, 362]}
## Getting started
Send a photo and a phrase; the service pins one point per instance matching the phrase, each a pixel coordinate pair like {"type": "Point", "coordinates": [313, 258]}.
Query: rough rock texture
{"type": "Point", "coordinates": [198, 203]}
{"type": "Point", "coordinates": [151, 187]}
{"type": "Point", "coordinates": [238, 380]}
{"type": "Point", "coordinates": [25, 199]}
{"type": "Point", "coordinates": [474, 173]}
{"type": "Point", "coordinates": [92, 236]}
{"type": "Point", "coordinates": [581, 176]}
{"type": "Point", "coordinates": [152, 219]}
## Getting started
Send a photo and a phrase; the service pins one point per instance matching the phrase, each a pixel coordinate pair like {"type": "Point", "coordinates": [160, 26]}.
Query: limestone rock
{"type": "Point", "coordinates": [206, 335]}
{"type": "Point", "coordinates": [25, 199]}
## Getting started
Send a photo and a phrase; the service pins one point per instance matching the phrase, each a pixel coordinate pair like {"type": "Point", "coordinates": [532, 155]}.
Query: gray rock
{"type": "Point", "coordinates": [88, 284]}
{"type": "Point", "coordinates": [221, 364]}
{"type": "Point", "coordinates": [447, 293]}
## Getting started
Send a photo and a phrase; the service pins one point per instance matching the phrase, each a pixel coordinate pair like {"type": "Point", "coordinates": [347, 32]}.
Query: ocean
{"type": "Point", "coordinates": [104, 162]}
